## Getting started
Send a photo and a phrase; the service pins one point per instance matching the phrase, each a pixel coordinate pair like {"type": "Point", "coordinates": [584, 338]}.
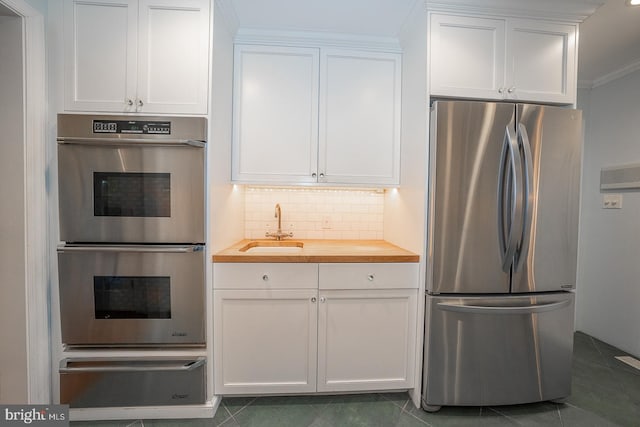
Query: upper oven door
{"type": "Point", "coordinates": [131, 192]}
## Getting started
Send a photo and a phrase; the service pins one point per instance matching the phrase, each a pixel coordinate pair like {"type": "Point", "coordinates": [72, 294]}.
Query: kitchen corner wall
{"type": "Point", "coordinates": [608, 288]}
{"type": "Point", "coordinates": [13, 317]}
{"type": "Point", "coordinates": [315, 213]}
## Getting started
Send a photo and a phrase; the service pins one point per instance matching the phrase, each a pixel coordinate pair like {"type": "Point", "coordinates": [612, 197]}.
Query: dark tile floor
{"type": "Point", "coordinates": [606, 392]}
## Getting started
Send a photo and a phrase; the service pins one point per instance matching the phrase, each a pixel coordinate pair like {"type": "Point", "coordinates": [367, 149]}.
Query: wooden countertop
{"type": "Point", "coordinates": [316, 251]}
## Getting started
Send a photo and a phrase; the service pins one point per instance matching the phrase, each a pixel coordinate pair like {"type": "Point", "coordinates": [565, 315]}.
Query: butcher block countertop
{"type": "Point", "coordinates": [303, 250]}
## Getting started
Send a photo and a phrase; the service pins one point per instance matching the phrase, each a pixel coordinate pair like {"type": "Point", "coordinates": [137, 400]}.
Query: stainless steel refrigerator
{"type": "Point", "coordinates": [503, 229]}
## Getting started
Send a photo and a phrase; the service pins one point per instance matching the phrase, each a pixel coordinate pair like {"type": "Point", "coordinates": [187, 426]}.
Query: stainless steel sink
{"type": "Point", "coordinates": [273, 247]}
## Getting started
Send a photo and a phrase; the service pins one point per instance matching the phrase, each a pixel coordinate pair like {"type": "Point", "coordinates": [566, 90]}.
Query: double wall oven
{"type": "Point", "coordinates": [132, 219]}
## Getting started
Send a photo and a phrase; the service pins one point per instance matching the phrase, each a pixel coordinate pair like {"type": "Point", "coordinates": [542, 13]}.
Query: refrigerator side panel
{"type": "Point", "coordinates": [551, 240]}
{"type": "Point", "coordinates": [466, 145]}
{"type": "Point", "coordinates": [495, 350]}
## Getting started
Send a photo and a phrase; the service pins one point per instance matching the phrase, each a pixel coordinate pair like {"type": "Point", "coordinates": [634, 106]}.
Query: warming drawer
{"type": "Point", "coordinates": [117, 382]}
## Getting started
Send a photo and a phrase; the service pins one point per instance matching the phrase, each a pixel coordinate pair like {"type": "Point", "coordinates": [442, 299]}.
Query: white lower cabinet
{"type": "Point", "coordinates": [331, 334]}
{"type": "Point", "coordinates": [366, 339]}
{"type": "Point", "coordinates": [265, 341]}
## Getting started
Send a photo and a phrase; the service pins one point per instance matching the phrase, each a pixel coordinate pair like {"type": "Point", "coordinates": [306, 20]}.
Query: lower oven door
{"type": "Point", "coordinates": [131, 295]}
{"type": "Point", "coordinates": [95, 383]}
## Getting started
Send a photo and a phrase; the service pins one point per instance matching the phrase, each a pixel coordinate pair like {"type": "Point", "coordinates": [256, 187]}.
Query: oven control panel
{"type": "Point", "coordinates": [132, 127]}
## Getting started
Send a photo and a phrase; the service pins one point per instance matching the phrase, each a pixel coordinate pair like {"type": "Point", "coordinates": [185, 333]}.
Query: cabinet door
{"type": "Point", "coordinates": [275, 131]}
{"type": "Point", "coordinates": [467, 56]}
{"type": "Point", "coordinates": [366, 340]}
{"type": "Point", "coordinates": [173, 56]}
{"type": "Point", "coordinates": [359, 134]}
{"type": "Point", "coordinates": [265, 341]}
{"type": "Point", "coordinates": [541, 61]}
{"type": "Point", "coordinates": [100, 55]}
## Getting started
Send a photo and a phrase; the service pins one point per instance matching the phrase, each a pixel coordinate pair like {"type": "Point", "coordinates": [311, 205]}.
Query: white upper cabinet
{"type": "Point", "coordinates": [467, 56]}
{"type": "Point", "coordinates": [275, 126]}
{"type": "Point", "coordinates": [316, 115]}
{"type": "Point", "coordinates": [541, 61]}
{"type": "Point", "coordinates": [359, 117]}
{"type": "Point", "coordinates": [147, 56]}
{"type": "Point", "coordinates": [502, 59]}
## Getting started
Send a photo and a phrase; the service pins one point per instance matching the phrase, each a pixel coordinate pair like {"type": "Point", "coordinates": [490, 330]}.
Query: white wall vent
{"type": "Point", "coordinates": [623, 177]}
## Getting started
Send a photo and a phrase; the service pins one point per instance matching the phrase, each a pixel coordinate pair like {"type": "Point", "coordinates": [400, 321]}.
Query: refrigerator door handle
{"type": "Point", "coordinates": [523, 247]}
{"type": "Point", "coordinates": [524, 309]}
{"type": "Point", "coordinates": [509, 241]}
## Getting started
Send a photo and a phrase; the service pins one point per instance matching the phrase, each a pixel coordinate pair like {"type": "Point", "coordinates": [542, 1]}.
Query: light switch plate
{"type": "Point", "coordinates": [612, 201]}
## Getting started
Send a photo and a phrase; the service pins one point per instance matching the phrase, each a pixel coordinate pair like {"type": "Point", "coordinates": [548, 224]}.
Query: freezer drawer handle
{"type": "Point", "coordinates": [527, 309]}
{"type": "Point", "coordinates": [178, 366]}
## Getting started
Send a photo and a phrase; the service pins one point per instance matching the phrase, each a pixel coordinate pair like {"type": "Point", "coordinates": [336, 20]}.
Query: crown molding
{"type": "Point", "coordinates": [585, 84]}
{"type": "Point", "coordinates": [574, 11]}
{"type": "Point", "coordinates": [615, 75]}
{"type": "Point", "coordinates": [317, 39]}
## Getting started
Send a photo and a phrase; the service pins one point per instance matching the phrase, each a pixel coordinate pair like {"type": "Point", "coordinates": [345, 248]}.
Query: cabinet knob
{"type": "Point", "coordinates": [371, 277]}
{"type": "Point", "coordinates": [511, 89]}
{"type": "Point", "coordinates": [501, 90]}
{"type": "Point", "coordinates": [265, 278]}
{"type": "Point", "coordinates": [129, 102]}
{"type": "Point", "coordinates": [313, 299]}
{"type": "Point", "coordinates": [313, 175]}
{"type": "Point", "coordinates": [322, 299]}
{"type": "Point", "coordinates": [321, 175]}
{"type": "Point", "coordinates": [140, 103]}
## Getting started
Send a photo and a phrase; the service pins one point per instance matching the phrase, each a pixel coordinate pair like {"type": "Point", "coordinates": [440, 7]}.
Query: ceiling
{"type": "Point", "coordinates": [609, 43]}
{"type": "Point", "coordinates": [609, 39]}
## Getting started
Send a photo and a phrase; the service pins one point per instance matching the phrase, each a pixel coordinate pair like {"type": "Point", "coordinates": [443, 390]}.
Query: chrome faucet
{"type": "Point", "coordinates": [278, 234]}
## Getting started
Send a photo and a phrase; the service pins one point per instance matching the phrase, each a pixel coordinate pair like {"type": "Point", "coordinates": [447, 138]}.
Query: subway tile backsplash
{"type": "Point", "coordinates": [312, 213]}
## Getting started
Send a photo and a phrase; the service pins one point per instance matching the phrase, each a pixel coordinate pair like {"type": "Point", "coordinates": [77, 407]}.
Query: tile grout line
{"type": "Point", "coordinates": [602, 356]}
{"type": "Point", "coordinates": [229, 415]}
{"type": "Point", "coordinates": [559, 414]}
{"type": "Point", "coordinates": [510, 418]}
{"type": "Point", "coordinates": [419, 419]}
{"type": "Point", "coordinates": [242, 408]}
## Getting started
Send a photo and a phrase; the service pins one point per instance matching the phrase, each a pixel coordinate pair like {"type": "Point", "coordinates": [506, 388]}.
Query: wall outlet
{"type": "Point", "coordinates": [612, 201]}
{"type": "Point", "coordinates": [326, 222]}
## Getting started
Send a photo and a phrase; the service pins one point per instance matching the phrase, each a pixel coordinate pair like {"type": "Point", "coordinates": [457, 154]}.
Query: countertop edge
{"type": "Point", "coordinates": [323, 251]}
{"type": "Point", "coordinates": [316, 258]}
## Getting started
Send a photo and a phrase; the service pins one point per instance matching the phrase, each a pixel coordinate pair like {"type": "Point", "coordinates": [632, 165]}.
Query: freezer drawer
{"type": "Point", "coordinates": [102, 382]}
{"type": "Point", "coordinates": [498, 350]}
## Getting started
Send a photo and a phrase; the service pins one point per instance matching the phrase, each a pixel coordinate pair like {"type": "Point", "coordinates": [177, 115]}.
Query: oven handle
{"type": "Point", "coordinates": [182, 367]}
{"type": "Point", "coordinates": [131, 248]}
{"type": "Point", "coordinates": [131, 141]}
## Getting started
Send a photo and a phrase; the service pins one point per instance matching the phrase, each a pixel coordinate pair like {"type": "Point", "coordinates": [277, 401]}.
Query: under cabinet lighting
{"type": "Point", "coordinates": [633, 2]}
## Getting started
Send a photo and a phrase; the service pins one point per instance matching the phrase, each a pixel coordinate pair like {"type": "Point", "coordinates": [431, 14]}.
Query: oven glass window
{"type": "Point", "coordinates": [131, 194]}
{"type": "Point", "coordinates": [132, 297]}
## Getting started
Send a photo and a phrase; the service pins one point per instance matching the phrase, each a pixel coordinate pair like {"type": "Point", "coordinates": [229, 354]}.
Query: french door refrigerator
{"type": "Point", "coordinates": [503, 227]}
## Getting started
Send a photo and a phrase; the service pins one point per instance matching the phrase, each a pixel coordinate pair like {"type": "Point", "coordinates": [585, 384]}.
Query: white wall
{"type": "Point", "coordinates": [226, 201]}
{"type": "Point", "coordinates": [13, 326]}
{"type": "Point", "coordinates": [404, 211]}
{"type": "Point", "coordinates": [405, 208]}
{"type": "Point", "coordinates": [608, 288]}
